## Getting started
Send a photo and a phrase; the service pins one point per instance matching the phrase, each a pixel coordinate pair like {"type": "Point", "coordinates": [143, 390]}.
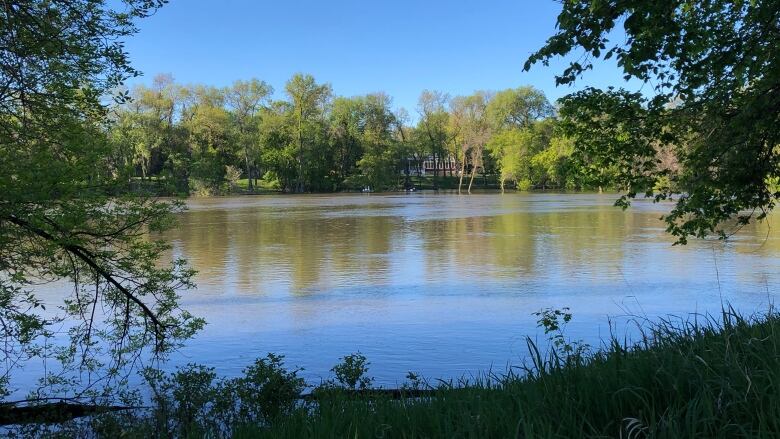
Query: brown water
{"type": "Point", "coordinates": [442, 284]}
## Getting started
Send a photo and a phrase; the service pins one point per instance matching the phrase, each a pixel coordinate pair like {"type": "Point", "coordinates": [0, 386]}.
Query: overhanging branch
{"type": "Point", "coordinates": [88, 258]}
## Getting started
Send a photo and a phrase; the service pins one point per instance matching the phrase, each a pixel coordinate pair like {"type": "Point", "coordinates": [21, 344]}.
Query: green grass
{"type": "Point", "coordinates": [706, 377]}
{"type": "Point", "coordinates": [261, 187]}
{"type": "Point", "coordinates": [685, 379]}
{"type": "Point", "coordinates": [420, 183]}
{"type": "Point", "coordinates": [451, 182]}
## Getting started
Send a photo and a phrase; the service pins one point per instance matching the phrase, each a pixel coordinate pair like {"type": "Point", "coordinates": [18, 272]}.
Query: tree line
{"type": "Point", "coordinates": [199, 139]}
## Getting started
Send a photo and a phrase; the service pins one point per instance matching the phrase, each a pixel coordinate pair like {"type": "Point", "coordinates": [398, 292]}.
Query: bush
{"type": "Point", "coordinates": [267, 390]}
{"type": "Point", "coordinates": [524, 185]}
{"type": "Point", "coordinates": [232, 175]}
{"type": "Point", "coordinates": [352, 372]}
{"type": "Point", "coordinates": [271, 181]}
{"type": "Point", "coordinates": [192, 402]}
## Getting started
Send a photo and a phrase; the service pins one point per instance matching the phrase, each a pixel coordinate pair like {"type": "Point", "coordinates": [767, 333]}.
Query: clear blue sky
{"type": "Point", "coordinates": [400, 47]}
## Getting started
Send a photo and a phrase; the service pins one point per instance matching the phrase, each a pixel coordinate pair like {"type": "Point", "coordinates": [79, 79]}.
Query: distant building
{"type": "Point", "coordinates": [428, 166]}
{"type": "Point", "coordinates": [446, 165]}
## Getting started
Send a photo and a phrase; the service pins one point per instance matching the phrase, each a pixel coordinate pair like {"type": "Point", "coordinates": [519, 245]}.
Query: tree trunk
{"type": "Point", "coordinates": [144, 166]}
{"type": "Point", "coordinates": [462, 171]}
{"type": "Point", "coordinates": [248, 170]}
{"type": "Point", "coordinates": [473, 172]}
{"type": "Point", "coordinates": [476, 158]}
{"type": "Point", "coordinates": [435, 172]}
{"type": "Point", "coordinates": [299, 189]}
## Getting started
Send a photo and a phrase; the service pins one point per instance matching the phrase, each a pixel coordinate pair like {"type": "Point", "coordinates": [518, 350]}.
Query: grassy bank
{"type": "Point", "coordinates": [684, 379]}
{"type": "Point", "coordinates": [451, 182]}
{"type": "Point", "coordinates": [446, 182]}
{"type": "Point", "coordinates": [696, 378]}
{"type": "Point", "coordinates": [159, 186]}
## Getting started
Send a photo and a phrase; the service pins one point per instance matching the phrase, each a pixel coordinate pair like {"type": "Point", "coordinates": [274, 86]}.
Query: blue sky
{"type": "Point", "coordinates": [400, 47]}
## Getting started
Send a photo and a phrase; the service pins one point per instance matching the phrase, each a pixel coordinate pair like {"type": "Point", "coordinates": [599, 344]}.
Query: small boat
{"type": "Point", "coordinates": [367, 189]}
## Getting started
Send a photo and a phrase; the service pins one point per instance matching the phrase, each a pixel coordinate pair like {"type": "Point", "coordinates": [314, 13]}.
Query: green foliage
{"type": "Point", "coordinates": [610, 147]}
{"type": "Point", "coordinates": [554, 322]}
{"type": "Point", "coordinates": [432, 134]}
{"type": "Point", "coordinates": [414, 382]}
{"type": "Point", "coordinates": [345, 125]}
{"type": "Point", "coordinates": [308, 100]}
{"type": "Point", "coordinates": [704, 377]}
{"type": "Point", "coordinates": [193, 402]}
{"type": "Point", "coordinates": [352, 372]}
{"type": "Point", "coordinates": [271, 181]}
{"type": "Point", "coordinates": [530, 147]}
{"type": "Point", "coordinates": [529, 155]}
{"type": "Point", "coordinates": [267, 390]}
{"type": "Point", "coordinates": [554, 167]}
{"type": "Point", "coordinates": [712, 98]}
{"type": "Point", "coordinates": [471, 131]}
{"type": "Point", "coordinates": [512, 149]}
{"type": "Point", "coordinates": [682, 379]}
{"type": "Point", "coordinates": [381, 150]}
{"type": "Point", "coordinates": [518, 108]}
{"type": "Point", "coordinates": [232, 175]}
{"type": "Point", "coordinates": [313, 142]}
{"type": "Point", "coordinates": [66, 210]}
{"type": "Point", "coordinates": [246, 99]}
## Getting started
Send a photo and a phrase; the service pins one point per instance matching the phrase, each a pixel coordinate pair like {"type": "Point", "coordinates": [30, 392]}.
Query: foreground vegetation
{"type": "Point", "coordinates": [703, 131]}
{"type": "Point", "coordinates": [704, 377]}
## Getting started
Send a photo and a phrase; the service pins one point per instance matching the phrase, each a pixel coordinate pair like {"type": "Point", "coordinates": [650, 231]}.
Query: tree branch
{"type": "Point", "coordinates": [87, 257]}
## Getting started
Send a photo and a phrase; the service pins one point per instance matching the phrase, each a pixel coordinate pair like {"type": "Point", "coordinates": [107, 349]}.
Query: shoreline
{"type": "Point", "coordinates": [713, 377]}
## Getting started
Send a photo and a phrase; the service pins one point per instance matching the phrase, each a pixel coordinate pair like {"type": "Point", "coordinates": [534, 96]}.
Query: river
{"type": "Point", "coordinates": [441, 284]}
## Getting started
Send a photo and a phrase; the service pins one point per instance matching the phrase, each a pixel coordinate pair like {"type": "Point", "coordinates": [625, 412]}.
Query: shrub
{"type": "Point", "coordinates": [352, 372]}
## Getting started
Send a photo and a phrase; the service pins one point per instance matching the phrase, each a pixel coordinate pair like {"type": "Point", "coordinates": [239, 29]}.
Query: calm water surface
{"type": "Point", "coordinates": [443, 285]}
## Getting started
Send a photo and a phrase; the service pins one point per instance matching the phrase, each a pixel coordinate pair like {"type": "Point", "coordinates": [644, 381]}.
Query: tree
{"type": "Point", "coordinates": [380, 157]}
{"type": "Point", "coordinates": [211, 138]}
{"type": "Point", "coordinates": [246, 99]}
{"type": "Point", "coordinates": [149, 119]}
{"type": "Point", "coordinates": [432, 127]}
{"type": "Point", "coordinates": [405, 146]}
{"type": "Point", "coordinates": [613, 149]}
{"type": "Point", "coordinates": [512, 149]}
{"type": "Point", "coordinates": [57, 219]}
{"type": "Point", "coordinates": [518, 108]}
{"type": "Point", "coordinates": [346, 122]}
{"type": "Point", "coordinates": [279, 150]}
{"type": "Point", "coordinates": [522, 120]}
{"type": "Point", "coordinates": [712, 71]}
{"type": "Point", "coordinates": [308, 100]}
{"type": "Point", "coordinates": [136, 135]}
{"type": "Point", "coordinates": [554, 166]}
{"type": "Point", "coordinates": [473, 129]}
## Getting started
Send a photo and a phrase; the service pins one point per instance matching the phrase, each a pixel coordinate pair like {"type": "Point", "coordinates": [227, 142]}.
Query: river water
{"type": "Point", "coordinates": [441, 284]}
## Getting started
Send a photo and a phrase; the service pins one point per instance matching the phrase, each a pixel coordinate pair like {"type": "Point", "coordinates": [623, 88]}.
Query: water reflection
{"type": "Point", "coordinates": [440, 283]}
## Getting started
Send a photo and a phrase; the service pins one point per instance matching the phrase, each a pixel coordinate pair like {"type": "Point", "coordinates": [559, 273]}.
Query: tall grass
{"type": "Point", "coordinates": [707, 377]}
{"type": "Point", "coordinates": [713, 377]}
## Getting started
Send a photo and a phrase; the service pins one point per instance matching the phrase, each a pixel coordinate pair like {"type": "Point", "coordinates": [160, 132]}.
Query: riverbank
{"type": "Point", "coordinates": [428, 182]}
{"type": "Point", "coordinates": [158, 186]}
{"type": "Point", "coordinates": [704, 377]}
{"type": "Point", "coordinates": [684, 379]}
